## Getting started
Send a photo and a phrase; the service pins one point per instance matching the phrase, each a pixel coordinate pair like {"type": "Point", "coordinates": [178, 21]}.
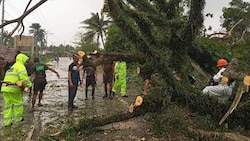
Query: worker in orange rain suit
{"type": "Point", "coordinates": [12, 94]}
{"type": "Point", "coordinates": [120, 78]}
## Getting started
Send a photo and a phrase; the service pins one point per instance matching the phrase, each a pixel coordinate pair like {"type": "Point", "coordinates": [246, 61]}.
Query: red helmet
{"type": "Point", "coordinates": [221, 62]}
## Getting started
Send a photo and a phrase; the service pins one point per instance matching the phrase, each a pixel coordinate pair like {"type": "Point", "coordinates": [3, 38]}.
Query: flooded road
{"type": "Point", "coordinates": [54, 114]}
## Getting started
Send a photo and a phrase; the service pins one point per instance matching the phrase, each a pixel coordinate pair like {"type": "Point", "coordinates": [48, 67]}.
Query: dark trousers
{"type": "Point", "coordinates": [71, 95]}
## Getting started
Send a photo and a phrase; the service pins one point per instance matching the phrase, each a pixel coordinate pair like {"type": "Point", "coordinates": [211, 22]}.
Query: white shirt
{"type": "Point", "coordinates": [217, 77]}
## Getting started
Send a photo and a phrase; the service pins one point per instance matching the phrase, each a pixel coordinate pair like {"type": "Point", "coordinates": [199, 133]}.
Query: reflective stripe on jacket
{"type": "Point", "coordinates": [121, 69]}
{"type": "Point", "coordinates": [16, 73]}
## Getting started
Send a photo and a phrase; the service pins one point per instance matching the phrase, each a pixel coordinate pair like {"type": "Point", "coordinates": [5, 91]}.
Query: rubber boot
{"type": "Point", "coordinates": [93, 93]}
{"type": "Point", "coordinates": [86, 94]}
{"type": "Point", "coordinates": [106, 94]}
{"type": "Point", "coordinates": [111, 95]}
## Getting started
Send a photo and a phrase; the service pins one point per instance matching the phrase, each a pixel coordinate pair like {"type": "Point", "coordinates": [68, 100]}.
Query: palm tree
{"type": "Point", "coordinates": [96, 26]}
{"type": "Point", "coordinates": [38, 33]}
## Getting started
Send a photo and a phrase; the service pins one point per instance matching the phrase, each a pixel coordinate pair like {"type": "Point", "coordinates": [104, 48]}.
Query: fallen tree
{"type": "Point", "coordinates": [104, 58]}
{"type": "Point", "coordinates": [210, 135]}
{"type": "Point", "coordinates": [164, 39]}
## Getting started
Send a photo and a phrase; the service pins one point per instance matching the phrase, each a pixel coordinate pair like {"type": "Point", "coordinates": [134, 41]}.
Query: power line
{"type": "Point", "coordinates": [12, 7]}
{"type": "Point", "coordinates": [14, 12]}
{"type": "Point", "coordinates": [37, 16]}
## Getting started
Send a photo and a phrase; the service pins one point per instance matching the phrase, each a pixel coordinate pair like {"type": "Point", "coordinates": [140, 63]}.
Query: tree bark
{"type": "Point", "coordinates": [104, 58]}
{"type": "Point", "coordinates": [231, 71]}
{"type": "Point", "coordinates": [225, 136]}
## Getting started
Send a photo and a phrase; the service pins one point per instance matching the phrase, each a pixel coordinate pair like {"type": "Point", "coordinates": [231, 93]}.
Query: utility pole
{"type": "Point", "coordinates": [2, 30]}
{"type": "Point", "coordinates": [46, 35]}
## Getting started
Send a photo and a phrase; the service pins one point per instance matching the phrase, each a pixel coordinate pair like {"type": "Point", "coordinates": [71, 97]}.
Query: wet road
{"type": "Point", "coordinates": [54, 113]}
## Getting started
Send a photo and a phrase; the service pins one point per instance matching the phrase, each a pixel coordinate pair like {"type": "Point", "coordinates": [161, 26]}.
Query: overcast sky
{"type": "Point", "coordinates": [61, 18]}
{"type": "Point", "coordinates": [215, 7]}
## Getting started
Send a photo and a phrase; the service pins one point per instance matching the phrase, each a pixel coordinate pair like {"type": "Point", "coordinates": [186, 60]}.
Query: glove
{"type": "Point", "coordinates": [19, 83]}
{"type": "Point", "coordinates": [26, 89]}
{"type": "Point", "coordinates": [22, 86]}
{"type": "Point", "coordinates": [127, 79]}
{"type": "Point", "coordinates": [246, 80]}
{"type": "Point", "coordinates": [224, 80]}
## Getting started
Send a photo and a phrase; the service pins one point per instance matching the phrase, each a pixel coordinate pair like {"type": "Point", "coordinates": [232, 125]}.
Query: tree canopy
{"type": "Point", "coordinates": [96, 27]}
{"type": "Point", "coordinates": [38, 33]}
{"type": "Point", "coordinates": [239, 11]}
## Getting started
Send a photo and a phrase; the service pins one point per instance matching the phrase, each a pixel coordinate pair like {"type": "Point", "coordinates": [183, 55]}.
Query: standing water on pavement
{"type": "Point", "coordinates": [54, 111]}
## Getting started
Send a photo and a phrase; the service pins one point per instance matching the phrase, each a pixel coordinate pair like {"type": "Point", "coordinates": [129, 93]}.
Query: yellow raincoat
{"type": "Point", "coordinates": [120, 77]}
{"type": "Point", "coordinates": [12, 94]}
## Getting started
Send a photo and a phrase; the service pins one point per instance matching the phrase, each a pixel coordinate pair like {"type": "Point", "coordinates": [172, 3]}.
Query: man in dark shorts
{"type": "Point", "coordinates": [108, 76]}
{"type": "Point", "coordinates": [91, 77]}
{"type": "Point", "coordinates": [39, 80]}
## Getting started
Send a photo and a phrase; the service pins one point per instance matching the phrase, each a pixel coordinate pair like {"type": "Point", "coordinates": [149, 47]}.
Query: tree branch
{"type": "Point", "coordinates": [242, 35]}
{"type": "Point", "coordinates": [226, 35]}
{"type": "Point", "coordinates": [104, 58]}
{"type": "Point", "coordinates": [19, 20]}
